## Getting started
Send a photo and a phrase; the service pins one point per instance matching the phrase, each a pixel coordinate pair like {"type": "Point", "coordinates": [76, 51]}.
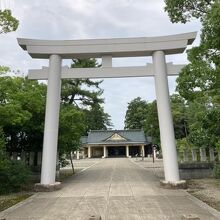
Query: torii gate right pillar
{"type": "Point", "coordinates": [167, 137]}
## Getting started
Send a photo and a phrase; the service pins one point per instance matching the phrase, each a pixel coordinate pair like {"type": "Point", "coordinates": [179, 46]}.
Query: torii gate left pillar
{"type": "Point", "coordinates": [106, 49]}
{"type": "Point", "coordinates": [48, 169]}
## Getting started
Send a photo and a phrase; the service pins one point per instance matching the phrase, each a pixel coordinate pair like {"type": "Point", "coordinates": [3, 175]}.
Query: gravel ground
{"type": "Point", "coordinates": [207, 190]}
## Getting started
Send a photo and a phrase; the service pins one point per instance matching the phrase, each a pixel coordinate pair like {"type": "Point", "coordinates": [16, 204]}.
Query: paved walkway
{"type": "Point", "coordinates": [116, 189]}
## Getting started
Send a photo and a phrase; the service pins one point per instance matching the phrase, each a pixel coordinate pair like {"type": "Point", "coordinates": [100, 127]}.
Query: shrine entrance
{"type": "Point", "coordinates": [106, 49]}
{"type": "Point", "coordinates": [119, 151]}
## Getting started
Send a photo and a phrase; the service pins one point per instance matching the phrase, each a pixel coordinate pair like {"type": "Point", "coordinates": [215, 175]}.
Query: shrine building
{"type": "Point", "coordinates": [115, 143]}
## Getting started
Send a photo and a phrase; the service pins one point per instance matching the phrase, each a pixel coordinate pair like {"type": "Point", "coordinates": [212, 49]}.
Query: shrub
{"type": "Point", "coordinates": [13, 175]}
{"type": "Point", "coordinates": [216, 171]}
{"type": "Point", "coordinates": [2, 144]}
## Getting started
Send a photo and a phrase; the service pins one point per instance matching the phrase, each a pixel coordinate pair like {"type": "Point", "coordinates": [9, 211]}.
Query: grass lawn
{"type": "Point", "coordinates": [7, 201]}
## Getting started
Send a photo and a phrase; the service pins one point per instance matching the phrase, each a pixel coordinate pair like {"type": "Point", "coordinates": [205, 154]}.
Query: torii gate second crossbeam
{"type": "Point", "coordinates": [157, 47]}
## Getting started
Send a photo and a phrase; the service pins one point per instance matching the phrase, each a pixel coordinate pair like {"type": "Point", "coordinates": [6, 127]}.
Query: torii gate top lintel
{"type": "Point", "coordinates": [116, 47]}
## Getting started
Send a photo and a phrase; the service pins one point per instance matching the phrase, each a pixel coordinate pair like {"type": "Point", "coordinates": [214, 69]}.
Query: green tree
{"type": "Point", "coordinates": [13, 174]}
{"type": "Point", "coordinates": [201, 75]}
{"type": "Point", "coordinates": [81, 92]}
{"type": "Point", "coordinates": [2, 145]}
{"type": "Point", "coordinates": [22, 109]}
{"type": "Point", "coordinates": [4, 70]}
{"type": "Point", "coordinates": [96, 118]}
{"type": "Point", "coordinates": [151, 124]}
{"type": "Point", "coordinates": [22, 104]}
{"type": "Point", "coordinates": [136, 114]}
{"type": "Point", "coordinates": [184, 10]}
{"type": "Point", "coordinates": [8, 23]}
{"type": "Point", "coordinates": [81, 109]}
{"type": "Point", "coordinates": [197, 134]}
{"type": "Point", "coordinates": [179, 113]}
{"type": "Point", "coordinates": [143, 115]}
{"type": "Point", "coordinates": [86, 95]}
{"type": "Point", "coordinates": [199, 81]}
{"type": "Point", "coordinates": [72, 127]}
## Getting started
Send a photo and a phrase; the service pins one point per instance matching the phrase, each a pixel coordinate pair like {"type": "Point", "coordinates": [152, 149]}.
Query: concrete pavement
{"type": "Point", "coordinates": [116, 189]}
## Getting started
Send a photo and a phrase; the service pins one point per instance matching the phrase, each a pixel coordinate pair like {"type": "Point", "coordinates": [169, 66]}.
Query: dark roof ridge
{"type": "Point", "coordinates": [116, 130]}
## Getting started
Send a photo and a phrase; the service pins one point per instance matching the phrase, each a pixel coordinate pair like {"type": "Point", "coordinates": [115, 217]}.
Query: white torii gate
{"type": "Point", "coordinates": [56, 50]}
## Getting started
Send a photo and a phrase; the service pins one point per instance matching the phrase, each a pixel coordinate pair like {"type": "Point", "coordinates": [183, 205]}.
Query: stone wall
{"type": "Point", "coordinates": [198, 155]}
{"type": "Point", "coordinates": [196, 170]}
{"type": "Point", "coordinates": [197, 163]}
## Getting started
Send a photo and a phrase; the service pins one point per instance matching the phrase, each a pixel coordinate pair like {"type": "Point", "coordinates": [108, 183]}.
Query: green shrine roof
{"type": "Point", "coordinates": [111, 137]}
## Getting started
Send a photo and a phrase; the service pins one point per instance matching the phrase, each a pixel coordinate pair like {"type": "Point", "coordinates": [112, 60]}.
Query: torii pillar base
{"type": "Point", "coordinates": [38, 187]}
{"type": "Point", "coordinates": [173, 185]}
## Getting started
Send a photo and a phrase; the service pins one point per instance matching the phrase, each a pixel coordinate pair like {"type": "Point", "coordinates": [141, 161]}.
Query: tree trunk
{"type": "Point", "coordinates": [71, 160]}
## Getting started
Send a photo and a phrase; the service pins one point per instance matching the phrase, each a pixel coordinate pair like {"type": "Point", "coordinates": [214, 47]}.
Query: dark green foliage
{"type": "Point", "coordinates": [71, 128]}
{"type": "Point", "coordinates": [22, 109]}
{"type": "Point", "coordinates": [216, 171]}
{"type": "Point", "coordinates": [136, 114]}
{"type": "Point", "coordinates": [143, 115]}
{"type": "Point", "coordinates": [197, 77]}
{"type": "Point", "coordinates": [2, 145]}
{"type": "Point", "coordinates": [82, 92]}
{"type": "Point", "coordinates": [22, 106]}
{"type": "Point", "coordinates": [179, 112]}
{"type": "Point", "coordinates": [199, 82]}
{"type": "Point", "coordinates": [211, 31]}
{"type": "Point", "coordinates": [151, 124]}
{"type": "Point", "coordinates": [13, 175]}
{"type": "Point", "coordinates": [7, 22]}
{"type": "Point", "coordinates": [96, 118]}
{"type": "Point", "coordinates": [184, 10]}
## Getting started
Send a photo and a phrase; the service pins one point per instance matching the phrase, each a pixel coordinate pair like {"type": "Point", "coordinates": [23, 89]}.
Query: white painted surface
{"type": "Point", "coordinates": [143, 151]}
{"type": "Point", "coordinates": [105, 49]}
{"type": "Point", "coordinates": [165, 118]}
{"type": "Point", "coordinates": [77, 155]}
{"type": "Point", "coordinates": [89, 151]}
{"type": "Point", "coordinates": [48, 170]}
{"type": "Point", "coordinates": [106, 61]}
{"type": "Point", "coordinates": [104, 152]}
{"type": "Point", "coordinates": [118, 47]}
{"type": "Point", "coordinates": [127, 151]}
{"type": "Point", "coordinates": [105, 72]}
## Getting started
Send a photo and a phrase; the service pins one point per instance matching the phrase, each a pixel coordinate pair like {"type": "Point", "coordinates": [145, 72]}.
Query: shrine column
{"type": "Point", "coordinates": [165, 119]}
{"type": "Point", "coordinates": [48, 170]}
{"type": "Point", "coordinates": [104, 152]}
{"type": "Point", "coordinates": [89, 151]}
{"type": "Point", "coordinates": [142, 151]}
{"type": "Point", "coordinates": [127, 151]}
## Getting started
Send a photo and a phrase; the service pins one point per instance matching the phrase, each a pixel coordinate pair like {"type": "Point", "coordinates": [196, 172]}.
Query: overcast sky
{"type": "Point", "coordinates": [81, 19]}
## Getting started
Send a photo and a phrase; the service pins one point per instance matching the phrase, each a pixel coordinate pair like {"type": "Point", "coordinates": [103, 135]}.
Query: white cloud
{"type": "Point", "coordinates": [68, 19]}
